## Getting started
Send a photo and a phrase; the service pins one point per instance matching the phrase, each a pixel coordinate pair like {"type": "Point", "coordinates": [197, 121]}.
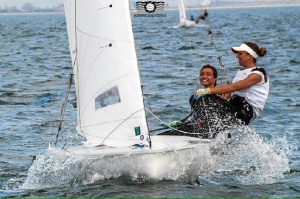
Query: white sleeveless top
{"type": "Point", "coordinates": [255, 95]}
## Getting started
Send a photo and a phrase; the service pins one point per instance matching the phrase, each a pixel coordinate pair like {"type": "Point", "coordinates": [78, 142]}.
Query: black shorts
{"type": "Point", "coordinates": [241, 109]}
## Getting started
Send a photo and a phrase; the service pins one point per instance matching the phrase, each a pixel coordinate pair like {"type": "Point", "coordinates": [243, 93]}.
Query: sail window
{"type": "Point", "coordinates": [107, 98]}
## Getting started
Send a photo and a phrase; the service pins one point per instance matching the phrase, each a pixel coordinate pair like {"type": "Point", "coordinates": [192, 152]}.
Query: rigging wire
{"type": "Point", "coordinates": [149, 136]}
{"type": "Point", "coordinates": [190, 46]}
{"type": "Point", "coordinates": [212, 41]}
{"type": "Point", "coordinates": [63, 108]}
{"type": "Point", "coordinates": [186, 63]}
{"type": "Point", "coordinates": [167, 125]}
{"type": "Point", "coordinates": [70, 82]}
{"type": "Point", "coordinates": [221, 63]}
{"type": "Point", "coordinates": [68, 91]}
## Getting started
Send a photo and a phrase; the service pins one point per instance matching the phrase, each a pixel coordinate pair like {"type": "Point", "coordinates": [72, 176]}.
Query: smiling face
{"type": "Point", "coordinates": [207, 78]}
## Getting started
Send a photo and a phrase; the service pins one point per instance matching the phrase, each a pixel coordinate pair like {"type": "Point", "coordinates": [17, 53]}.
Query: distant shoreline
{"type": "Point", "coordinates": [237, 6]}
{"type": "Point", "coordinates": [248, 6]}
{"type": "Point", "coordinates": [170, 9]}
{"type": "Point", "coordinates": [30, 13]}
{"type": "Point", "coordinates": [229, 7]}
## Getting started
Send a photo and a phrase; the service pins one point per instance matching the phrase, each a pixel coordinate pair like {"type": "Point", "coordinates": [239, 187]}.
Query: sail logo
{"type": "Point", "coordinates": [137, 131]}
{"type": "Point", "coordinates": [150, 7]}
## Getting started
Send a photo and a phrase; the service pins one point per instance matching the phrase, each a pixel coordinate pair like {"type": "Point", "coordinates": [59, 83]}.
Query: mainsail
{"type": "Point", "coordinates": [110, 107]}
{"type": "Point", "coordinates": [181, 10]}
{"type": "Point", "coordinates": [183, 21]}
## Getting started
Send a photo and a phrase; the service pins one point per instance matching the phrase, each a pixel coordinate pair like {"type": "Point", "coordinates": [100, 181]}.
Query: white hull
{"type": "Point", "coordinates": [160, 144]}
{"type": "Point", "coordinates": [187, 24]}
{"type": "Point", "coordinates": [183, 21]}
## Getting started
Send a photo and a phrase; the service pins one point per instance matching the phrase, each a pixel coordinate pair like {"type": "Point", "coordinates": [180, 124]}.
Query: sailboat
{"type": "Point", "coordinates": [183, 21]}
{"type": "Point", "coordinates": [111, 113]}
{"type": "Point", "coordinates": [110, 109]}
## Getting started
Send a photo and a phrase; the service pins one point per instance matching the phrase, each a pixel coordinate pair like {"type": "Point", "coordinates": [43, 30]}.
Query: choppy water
{"type": "Point", "coordinates": [263, 160]}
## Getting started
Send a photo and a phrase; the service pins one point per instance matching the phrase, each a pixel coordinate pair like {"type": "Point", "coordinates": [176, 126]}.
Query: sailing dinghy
{"type": "Point", "coordinates": [110, 108]}
{"type": "Point", "coordinates": [183, 21]}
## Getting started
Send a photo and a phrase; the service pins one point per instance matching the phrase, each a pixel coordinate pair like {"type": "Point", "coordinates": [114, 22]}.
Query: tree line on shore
{"type": "Point", "coordinates": [28, 7]}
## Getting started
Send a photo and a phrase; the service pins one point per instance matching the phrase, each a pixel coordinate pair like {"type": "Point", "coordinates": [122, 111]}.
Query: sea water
{"type": "Point", "coordinates": [261, 161]}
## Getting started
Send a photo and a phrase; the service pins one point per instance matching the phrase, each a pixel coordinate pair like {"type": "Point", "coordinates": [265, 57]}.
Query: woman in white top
{"type": "Point", "coordinates": [250, 87]}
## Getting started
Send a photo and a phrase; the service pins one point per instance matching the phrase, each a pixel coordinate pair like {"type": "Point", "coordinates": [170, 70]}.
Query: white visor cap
{"type": "Point", "coordinates": [244, 47]}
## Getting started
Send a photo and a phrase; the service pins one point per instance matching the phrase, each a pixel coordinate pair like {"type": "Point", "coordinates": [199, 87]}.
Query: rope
{"type": "Point", "coordinates": [167, 125]}
{"type": "Point", "coordinates": [149, 138]}
{"type": "Point", "coordinates": [221, 62]}
{"type": "Point", "coordinates": [156, 117]}
{"type": "Point", "coordinates": [212, 41]}
{"type": "Point", "coordinates": [63, 108]}
{"type": "Point", "coordinates": [224, 76]}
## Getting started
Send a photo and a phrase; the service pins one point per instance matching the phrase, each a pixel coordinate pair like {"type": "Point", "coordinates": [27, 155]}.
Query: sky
{"type": "Point", "coordinates": [50, 3]}
{"type": "Point", "coordinates": [36, 3]}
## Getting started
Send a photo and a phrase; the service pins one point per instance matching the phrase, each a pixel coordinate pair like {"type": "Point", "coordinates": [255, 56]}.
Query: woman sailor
{"type": "Point", "coordinates": [210, 114]}
{"type": "Point", "coordinates": [250, 88]}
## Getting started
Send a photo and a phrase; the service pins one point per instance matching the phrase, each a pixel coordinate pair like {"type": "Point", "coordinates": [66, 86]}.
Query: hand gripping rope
{"type": "Point", "coordinates": [224, 76]}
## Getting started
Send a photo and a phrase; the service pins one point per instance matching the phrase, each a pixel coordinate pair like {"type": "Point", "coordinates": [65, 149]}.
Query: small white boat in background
{"type": "Point", "coordinates": [183, 21]}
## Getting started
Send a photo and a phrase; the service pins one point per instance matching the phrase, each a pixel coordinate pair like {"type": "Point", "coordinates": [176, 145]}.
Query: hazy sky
{"type": "Point", "coordinates": [50, 3]}
{"type": "Point", "coordinates": [37, 3]}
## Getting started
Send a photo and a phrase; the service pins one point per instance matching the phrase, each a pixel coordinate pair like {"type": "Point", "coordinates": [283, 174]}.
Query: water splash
{"type": "Point", "coordinates": [249, 158]}
{"type": "Point", "coordinates": [245, 158]}
{"type": "Point", "coordinates": [57, 167]}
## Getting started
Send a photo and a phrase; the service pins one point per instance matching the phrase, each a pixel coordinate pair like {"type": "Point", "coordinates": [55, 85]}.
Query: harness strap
{"type": "Point", "coordinates": [262, 71]}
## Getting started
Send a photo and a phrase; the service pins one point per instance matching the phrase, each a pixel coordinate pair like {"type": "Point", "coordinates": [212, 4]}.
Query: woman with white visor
{"type": "Point", "coordinates": [250, 87]}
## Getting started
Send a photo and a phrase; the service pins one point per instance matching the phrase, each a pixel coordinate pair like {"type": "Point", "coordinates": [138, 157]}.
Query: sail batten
{"type": "Point", "coordinates": [109, 97]}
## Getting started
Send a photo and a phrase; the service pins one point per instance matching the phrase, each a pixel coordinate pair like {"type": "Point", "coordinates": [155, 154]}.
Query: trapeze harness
{"type": "Point", "coordinates": [211, 114]}
{"type": "Point", "coordinates": [236, 106]}
{"type": "Point", "coordinates": [241, 108]}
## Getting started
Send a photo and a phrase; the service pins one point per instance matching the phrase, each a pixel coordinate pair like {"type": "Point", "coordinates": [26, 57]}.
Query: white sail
{"type": "Point", "coordinates": [183, 21]}
{"type": "Point", "coordinates": [109, 97]}
{"type": "Point", "coordinates": [181, 10]}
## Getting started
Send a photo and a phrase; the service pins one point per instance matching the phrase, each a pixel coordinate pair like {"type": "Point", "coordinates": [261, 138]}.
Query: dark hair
{"type": "Point", "coordinates": [215, 72]}
{"type": "Point", "coordinates": [259, 51]}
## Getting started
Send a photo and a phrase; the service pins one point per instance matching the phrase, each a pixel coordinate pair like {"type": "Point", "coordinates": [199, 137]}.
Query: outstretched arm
{"type": "Point", "coordinates": [240, 85]}
{"type": "Point", "coordinates": [229, 88]}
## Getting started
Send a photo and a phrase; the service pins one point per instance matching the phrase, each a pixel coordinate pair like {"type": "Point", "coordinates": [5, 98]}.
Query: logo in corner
{"type": "Point", "coordinates": [150, 6]}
